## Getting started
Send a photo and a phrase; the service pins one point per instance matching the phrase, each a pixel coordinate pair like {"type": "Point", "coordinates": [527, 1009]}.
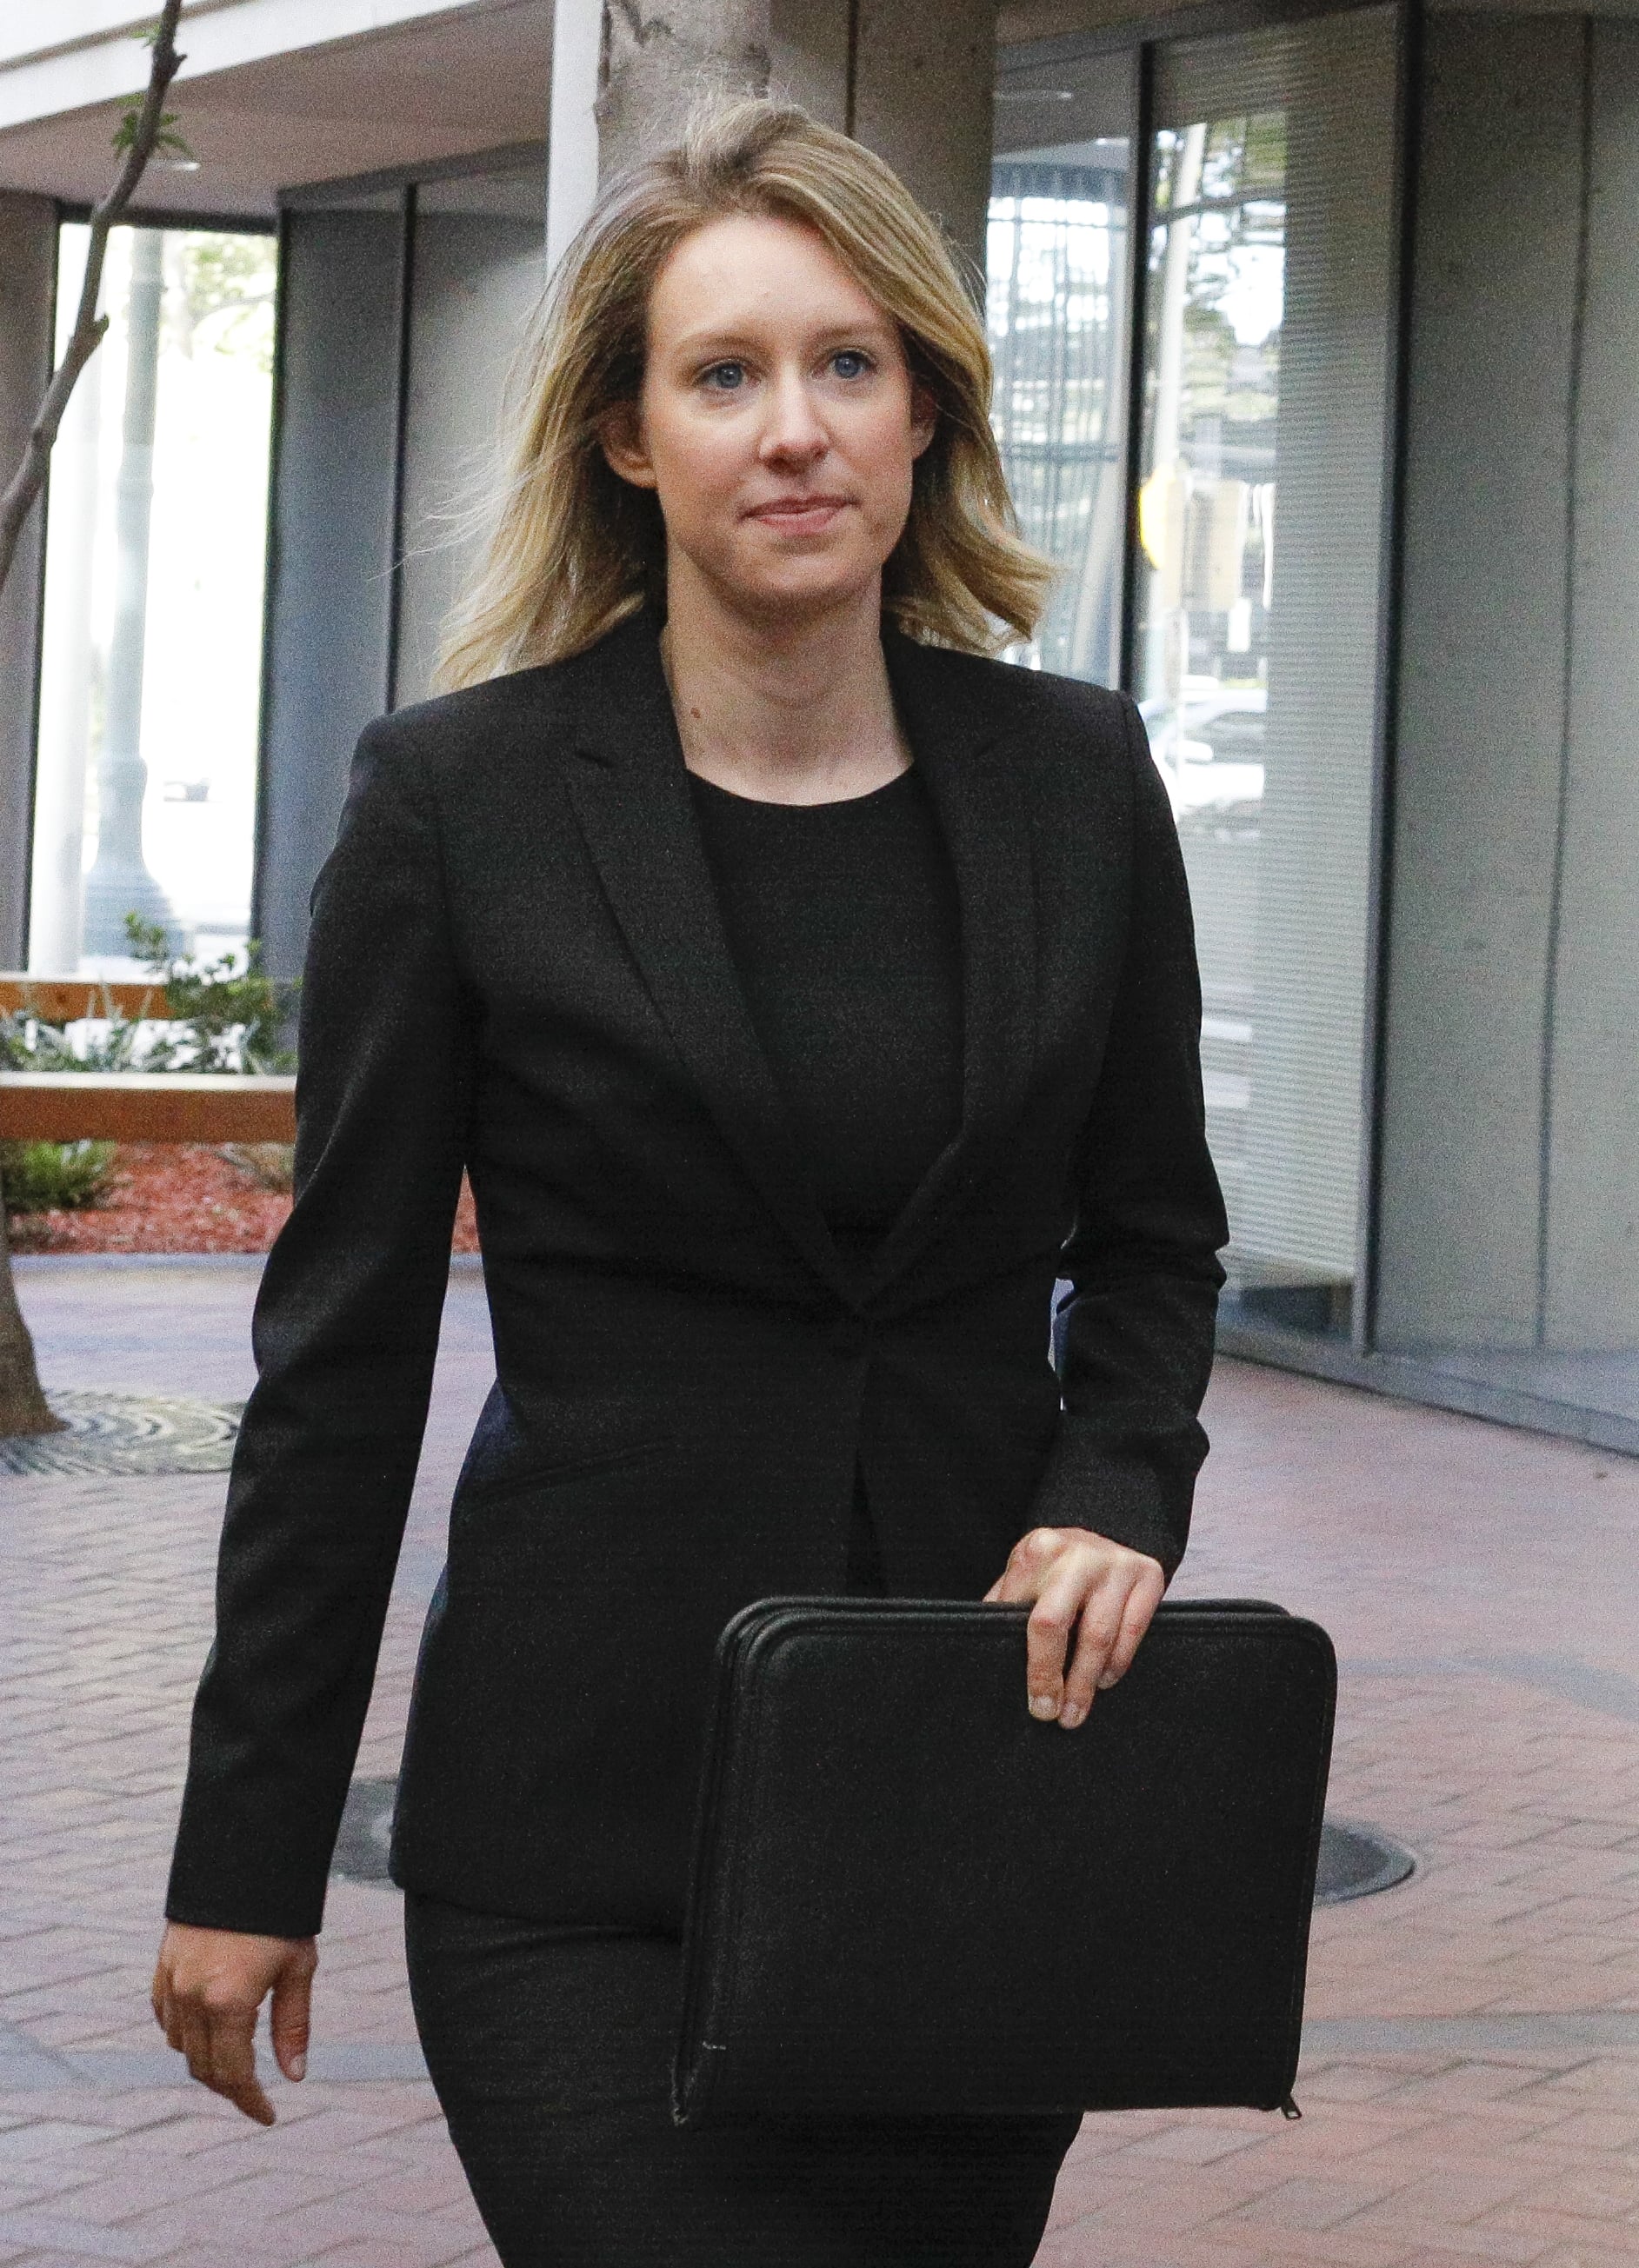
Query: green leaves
{"type": "Point", "coordinates": [166, 143]}
{"type": "Point", "coordinates": [55, 1176]}
{"type": "Point", "coordinates": [227, 1017]}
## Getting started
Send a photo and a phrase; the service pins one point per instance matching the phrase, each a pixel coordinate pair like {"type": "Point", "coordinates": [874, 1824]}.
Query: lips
{"type": "Point", "coordinates": [801, 513]}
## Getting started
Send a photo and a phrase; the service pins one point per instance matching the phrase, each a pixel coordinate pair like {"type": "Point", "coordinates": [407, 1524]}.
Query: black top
{"type": "Point", "coordinates": [843, 922]}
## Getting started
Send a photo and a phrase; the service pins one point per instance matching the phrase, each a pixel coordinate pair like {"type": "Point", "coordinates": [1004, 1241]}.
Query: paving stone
{"type": "Point", "coordinates": [1480, 1584]}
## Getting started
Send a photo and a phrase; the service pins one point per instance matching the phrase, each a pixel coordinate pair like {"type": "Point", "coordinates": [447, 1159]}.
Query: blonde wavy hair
{"type": "Point", "coordinates": [572, 548]}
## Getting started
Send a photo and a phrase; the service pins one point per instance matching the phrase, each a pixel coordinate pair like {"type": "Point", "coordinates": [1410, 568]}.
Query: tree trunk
{"type": "Point", "coordinates": [661, 56]}
{"type": "Point", "coordinates": [22, 1407]}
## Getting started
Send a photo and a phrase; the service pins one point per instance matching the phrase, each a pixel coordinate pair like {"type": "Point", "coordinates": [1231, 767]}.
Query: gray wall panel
{"type": "Point", "coordinates": [331, 569]}
{"type": "Point", "coordinates": [1482, 689]}
{"type": "Point", "coordinates": [477, 277]}
{"type": "Point", "coordinates": [1593, 1215]}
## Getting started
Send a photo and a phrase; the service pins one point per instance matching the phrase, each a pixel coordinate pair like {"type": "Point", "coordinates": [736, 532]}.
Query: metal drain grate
{"type": "Point", "coordinates": [127, 1433]}
{"type": "Point", "coordinates": [367, 1827]}
{"type": "Point", "coordinates": [1357, 1861]}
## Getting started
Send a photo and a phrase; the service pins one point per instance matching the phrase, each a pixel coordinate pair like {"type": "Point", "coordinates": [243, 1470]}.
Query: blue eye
{"type": "Point", "coordinates": [725, 377]}
{"type": "Point", "coordinates": [858, 362]}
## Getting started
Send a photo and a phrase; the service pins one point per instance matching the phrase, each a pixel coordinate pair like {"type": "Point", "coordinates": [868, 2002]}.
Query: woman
{"type": "Point", "coordinates": [804, 991]}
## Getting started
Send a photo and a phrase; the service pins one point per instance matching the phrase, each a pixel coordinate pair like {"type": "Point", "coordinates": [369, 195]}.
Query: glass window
{"type": "Point", "coordinates": [1056, 299]}
{"type": "Point", "coordinates": [1266, 340]}
{"type": "Point", "coordinates": [155, 548]}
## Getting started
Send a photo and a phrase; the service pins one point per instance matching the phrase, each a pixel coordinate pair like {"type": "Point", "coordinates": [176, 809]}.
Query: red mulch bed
{"type": "Point", "coordinates": [180, 1196]}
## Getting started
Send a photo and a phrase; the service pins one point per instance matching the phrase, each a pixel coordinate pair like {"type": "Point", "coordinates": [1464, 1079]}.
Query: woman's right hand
{"type": "Point", "coordinates": [207, 1985]}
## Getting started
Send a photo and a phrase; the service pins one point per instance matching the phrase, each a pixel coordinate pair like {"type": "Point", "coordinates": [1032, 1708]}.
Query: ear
{"type": "Point", "coordinates": [620, 435]}
{"type": "Point", "coordinates": [924, 417]}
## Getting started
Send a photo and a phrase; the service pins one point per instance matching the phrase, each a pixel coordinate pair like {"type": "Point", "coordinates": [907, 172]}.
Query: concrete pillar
{"type": "Point", "coordinates": [330, 567]}
{"type": "Point", "coordinates": [923, 94]}
{"type": "Point", "coordinates": [1482, 697]}
{"type": "Point", "coordinates": [808, 57]}
{"type": "Point", "coordinates": [29, 250]}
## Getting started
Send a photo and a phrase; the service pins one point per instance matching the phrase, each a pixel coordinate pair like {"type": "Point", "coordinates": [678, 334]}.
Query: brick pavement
{"type": "Point", "coordinates": [1470, 2074]}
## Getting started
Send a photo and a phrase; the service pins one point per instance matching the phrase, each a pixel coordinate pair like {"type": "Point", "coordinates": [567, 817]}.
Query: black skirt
{"type": "Point", "coordinates": [551, 2053]}
{"type": "Point", "coordinates": [551, 2056]}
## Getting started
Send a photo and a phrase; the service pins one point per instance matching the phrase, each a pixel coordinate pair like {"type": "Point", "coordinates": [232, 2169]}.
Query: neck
{"type": "Point", "coordinates": [787, 707]}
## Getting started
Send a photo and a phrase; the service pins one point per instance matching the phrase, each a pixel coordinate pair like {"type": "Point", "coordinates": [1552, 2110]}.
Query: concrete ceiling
{"type": "Point", "coordinates": [411, 94]}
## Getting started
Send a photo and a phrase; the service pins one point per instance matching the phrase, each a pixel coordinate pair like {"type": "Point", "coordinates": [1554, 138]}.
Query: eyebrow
{"type": "Point", "coordinates": [694, 343]}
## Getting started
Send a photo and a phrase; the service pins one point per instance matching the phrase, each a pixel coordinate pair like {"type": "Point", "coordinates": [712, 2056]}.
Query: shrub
{"type": "Point", "coordinates": [224, 1016]}
{"type": "Point", "coordinates": [219, 1016]}
{"type": "Point", "coordinates": [55, 1176]}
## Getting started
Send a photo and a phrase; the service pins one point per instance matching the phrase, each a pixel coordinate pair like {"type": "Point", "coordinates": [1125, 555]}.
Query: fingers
{"type": "Point", "coordinates": [218, 2036]}
{"type": "Point", "coordinates": [1095, 1641]}
{"type": "Point", "coordinates": [1047, 1639]}
{"type": "Point", "coordinates": [287, 2020]}
{"type": "Point", "coordinates": [1091, 1600]}
{"type": "Point", "coordinates": [1145, 1596]}
{"type": "Point", "coordinates": [230, 2068]}
{"type": "Point", "coordinates": [1112, 1622]}
{"type": "Point", "coordinates": [207, 1989]}
{"type": "Point", "coordinates": [219, 2046]}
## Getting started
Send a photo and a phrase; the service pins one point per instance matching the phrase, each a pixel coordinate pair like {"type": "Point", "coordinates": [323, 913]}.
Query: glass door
{"type": "Point", "coordinates": [1266, 359]}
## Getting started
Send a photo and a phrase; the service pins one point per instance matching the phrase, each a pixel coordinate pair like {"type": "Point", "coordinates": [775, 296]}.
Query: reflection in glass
{"type": "Point", "coordinates": [1057, 268]}
{"type": "Point", "coordinates": [155, 543]}
{"type": "Point", "coordinates": [1207, 504]}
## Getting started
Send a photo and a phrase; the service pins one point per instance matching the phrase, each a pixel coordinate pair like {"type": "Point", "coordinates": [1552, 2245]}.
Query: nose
{"type": "Point", "coordinates": [793, 431]}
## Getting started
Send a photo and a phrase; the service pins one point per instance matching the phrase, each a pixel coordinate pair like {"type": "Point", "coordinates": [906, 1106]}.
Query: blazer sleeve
{"type": "Point", "coordinates": [345, 1332]}
{"type": "Point", "coordinates": [1133, 1335]}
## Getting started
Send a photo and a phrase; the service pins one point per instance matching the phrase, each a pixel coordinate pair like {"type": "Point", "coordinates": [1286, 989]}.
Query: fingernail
{"type": "Point", "coordinates": [1043, 1705]}
{"type": "Point", "coordinates": [299, 2066]}
{"type": "Point", "coordinates": [1070, 1716]}
{"type": "Point", "coordinates": [1107, 1680]}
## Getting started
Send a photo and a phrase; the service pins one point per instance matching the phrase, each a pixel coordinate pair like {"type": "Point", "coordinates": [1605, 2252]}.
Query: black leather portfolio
{"type": "Point", "coordinates": [909, 1898]}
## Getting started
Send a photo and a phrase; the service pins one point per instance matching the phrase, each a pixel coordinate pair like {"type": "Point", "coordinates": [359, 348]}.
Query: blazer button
{"type": "Point", "coordinates": [849, 1334]}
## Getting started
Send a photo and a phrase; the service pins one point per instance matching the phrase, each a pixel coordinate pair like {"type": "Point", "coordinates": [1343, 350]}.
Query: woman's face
{"type": "Point", "coordinates": [778, 423]}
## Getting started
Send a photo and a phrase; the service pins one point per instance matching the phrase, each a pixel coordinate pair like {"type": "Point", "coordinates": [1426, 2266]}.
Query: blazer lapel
{"type": "Point", "coordinates": [630, 792]}
{"type": "Point", "coordinates": [978, 789]}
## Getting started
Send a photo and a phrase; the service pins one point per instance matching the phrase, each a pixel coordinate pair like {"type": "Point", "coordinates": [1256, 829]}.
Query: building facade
{"type": "Point", "coordinates": [1313, 335]}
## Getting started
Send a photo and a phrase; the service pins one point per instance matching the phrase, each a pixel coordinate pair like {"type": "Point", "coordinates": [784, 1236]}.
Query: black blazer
{"type": "Point", "coordinates": [516, 964]}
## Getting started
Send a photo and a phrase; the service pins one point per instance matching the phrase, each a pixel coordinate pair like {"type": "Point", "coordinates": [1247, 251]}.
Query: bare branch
{"type": "Point", "coordinates": [142, 134]}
